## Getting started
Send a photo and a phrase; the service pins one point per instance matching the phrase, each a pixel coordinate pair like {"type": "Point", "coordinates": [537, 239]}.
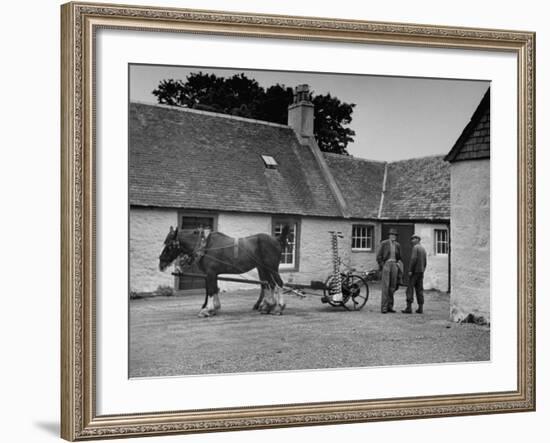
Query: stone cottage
{"type": "Point", "coordinates": [240, 176]}
{"type": "Point", "coordinates": [470, 215]}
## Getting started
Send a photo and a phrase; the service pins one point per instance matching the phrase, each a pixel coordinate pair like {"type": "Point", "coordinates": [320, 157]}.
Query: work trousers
{"type": "Point", "coordinates": [416, 284]}
{"type": "Point", "coordinates": [389, 284]}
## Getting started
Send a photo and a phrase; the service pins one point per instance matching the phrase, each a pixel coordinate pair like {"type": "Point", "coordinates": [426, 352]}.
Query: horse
{"type": "Point", "coordinates": [216, 253]}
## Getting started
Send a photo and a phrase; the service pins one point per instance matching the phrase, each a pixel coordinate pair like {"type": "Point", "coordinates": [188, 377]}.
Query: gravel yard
{"type": "Point", "coordinates": [167, 337]}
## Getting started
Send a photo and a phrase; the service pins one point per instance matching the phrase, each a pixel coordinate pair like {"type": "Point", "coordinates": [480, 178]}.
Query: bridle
{"type": "Point", "coordinates": [198, 250]}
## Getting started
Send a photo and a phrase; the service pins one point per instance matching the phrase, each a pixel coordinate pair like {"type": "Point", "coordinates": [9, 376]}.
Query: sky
{"type": "Point", "coordinates": [394, 118]}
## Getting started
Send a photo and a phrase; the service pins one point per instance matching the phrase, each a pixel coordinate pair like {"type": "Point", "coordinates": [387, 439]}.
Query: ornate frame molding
{"type": "Point", "coordinates": [79, 420]}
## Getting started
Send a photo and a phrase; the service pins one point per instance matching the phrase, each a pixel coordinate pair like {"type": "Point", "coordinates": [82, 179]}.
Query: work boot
{"type": "Point", "coordinates": [407, 310]}
{"type": "Point", "coordinates": [420, 309]}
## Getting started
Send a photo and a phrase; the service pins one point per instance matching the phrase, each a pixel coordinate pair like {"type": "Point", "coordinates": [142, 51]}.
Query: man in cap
{"type": "Point", "coordinates": [417, 266]}
{"type": "Point", "coordinates": [389, 253]}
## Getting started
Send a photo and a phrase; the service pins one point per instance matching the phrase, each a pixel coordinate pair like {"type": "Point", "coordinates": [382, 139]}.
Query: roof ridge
{"type": "Point", "coordinates": [352, 157]}
{"type": "Point", "coordinates": [211, 113]}
{"type": "Point", "coordinates": [418, 158]}
{"type": "Point", "coordinates": [484, 105]}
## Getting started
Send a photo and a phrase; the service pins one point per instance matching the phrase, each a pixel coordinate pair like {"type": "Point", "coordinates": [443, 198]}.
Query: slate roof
{"type": "Point", "coordinates": [181, 158]}
{"type": "Point", "coordinates": [360, 182]}
{"type": "Point", "coordinates": [474, 142]}
{"type": "Point", "coordinates": [201, 160]}
{"type": "Point", "coordinates": [418, 188]}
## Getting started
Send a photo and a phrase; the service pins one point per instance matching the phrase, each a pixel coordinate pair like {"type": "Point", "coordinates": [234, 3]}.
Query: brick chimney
{"type": "Point", "coordinates": [300, 114]}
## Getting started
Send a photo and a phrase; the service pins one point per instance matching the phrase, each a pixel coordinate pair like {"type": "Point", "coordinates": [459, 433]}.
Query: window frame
{"type": "Point", "coordinates": [438, 242]}
{"type": "Point", "coordinates": [367, 228]}
{"type": "Point", "coordinates": [269, 161]}
{"type": "Point", "coordinates": [287, 267]}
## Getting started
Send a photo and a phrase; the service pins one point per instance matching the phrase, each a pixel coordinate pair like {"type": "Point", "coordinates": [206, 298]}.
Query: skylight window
{"type": "Point", "coordinates": [269, 162]}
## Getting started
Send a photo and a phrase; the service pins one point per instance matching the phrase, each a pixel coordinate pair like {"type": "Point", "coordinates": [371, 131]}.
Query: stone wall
{"type": "Point", "coordinates": [365, 260]}
{"type": "Point", "coordinates": [470, 239]}
{"type": "Point", "coordinates": [316, 250]}
{"type": "Point", "coordinates": [148, 229]}
{"type": "Point", "coordinates": [437, 271]}
{"type": "Point", "coordinates": [149, 226]}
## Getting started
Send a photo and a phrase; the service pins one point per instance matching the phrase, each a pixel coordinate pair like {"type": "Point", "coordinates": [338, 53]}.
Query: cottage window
{"type": "Point", "coordinates": [362, 238]}
{"type": "Point", "coordinates": [441, 241]}
{"type": "Point", "coordinates": [289, 256]}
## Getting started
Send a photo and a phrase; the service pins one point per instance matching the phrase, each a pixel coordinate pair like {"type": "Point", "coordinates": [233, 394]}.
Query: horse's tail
{"type": "Point", "coordinates": [284, 236]}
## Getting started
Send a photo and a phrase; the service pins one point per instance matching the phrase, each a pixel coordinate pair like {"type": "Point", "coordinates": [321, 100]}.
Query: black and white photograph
{"type": "Point", "coordinates": [236, 221]}
{"type": "Point", "coordinates": [283, 221]}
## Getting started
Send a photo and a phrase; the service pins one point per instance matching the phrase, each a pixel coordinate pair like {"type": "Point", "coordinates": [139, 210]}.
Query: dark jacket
{"type": "Point", "coordinates": [418, 259]}
{"type": "Point", "coordinates": [383, 253]}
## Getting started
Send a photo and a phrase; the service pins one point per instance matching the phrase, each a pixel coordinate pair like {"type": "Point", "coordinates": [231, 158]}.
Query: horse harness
{"type": "Point", "coordinates": [198, 250]}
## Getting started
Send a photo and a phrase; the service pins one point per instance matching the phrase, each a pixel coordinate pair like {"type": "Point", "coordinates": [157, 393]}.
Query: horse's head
{"type": "Point", "coordinates": [178, 242]}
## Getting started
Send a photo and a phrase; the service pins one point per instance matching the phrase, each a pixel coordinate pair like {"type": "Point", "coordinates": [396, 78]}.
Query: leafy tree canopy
{"type": "Point", "coordinates": [244, 97]}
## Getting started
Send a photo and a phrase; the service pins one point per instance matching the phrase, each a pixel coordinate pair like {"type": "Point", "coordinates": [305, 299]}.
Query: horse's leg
{"type": "Point", "coordinates": [258, 303]}
{"type": "Point", "coordinates": [260, 299]}
{"type": "Point", "coordinates": [216, 297]}
{"type": "Point", "coordinates": [280, 300]}
{"type": "Point", "coordinates": [280, 297]}
{"type": "Point", "coordinates": [211, 288]}
{"type": "Point", "coordinates": [269, 301]}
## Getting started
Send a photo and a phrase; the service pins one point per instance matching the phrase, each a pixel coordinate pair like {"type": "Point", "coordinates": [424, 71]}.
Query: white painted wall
{"type": "Point", "coordinates": [470, 239]}
{"type": "Point", "coordinates": [148, 229]}
{"type": "Point", "coordinates": [316, 249]}
{"type": "Point", "coordinates": [149, 226]}
{"type": "Point", "coordinates": [365, 260]}
{"type": "Point", "coordinates": [437, 270]}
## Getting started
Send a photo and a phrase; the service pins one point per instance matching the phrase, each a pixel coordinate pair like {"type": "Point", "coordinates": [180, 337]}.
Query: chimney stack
{"type": "Point", "coordinates": [300, 114]}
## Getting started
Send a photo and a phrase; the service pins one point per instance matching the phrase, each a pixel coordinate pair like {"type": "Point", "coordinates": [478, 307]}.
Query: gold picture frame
{"type": "Point", "coordinates": [80, 21]}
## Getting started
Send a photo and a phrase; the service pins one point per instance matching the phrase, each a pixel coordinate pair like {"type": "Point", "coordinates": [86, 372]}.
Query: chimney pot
{"type": "Point", "coordinates": [301, 114]}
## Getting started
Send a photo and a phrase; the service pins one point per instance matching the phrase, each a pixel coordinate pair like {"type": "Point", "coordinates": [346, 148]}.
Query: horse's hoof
{"type": "Point", "coordinates": [266, 309]}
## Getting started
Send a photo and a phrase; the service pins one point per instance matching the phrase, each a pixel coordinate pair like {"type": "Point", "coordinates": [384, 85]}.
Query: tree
{"type": "Point", "coordinates": [331, 116]}
{"type": "Point", "coordinates": [244, 97]}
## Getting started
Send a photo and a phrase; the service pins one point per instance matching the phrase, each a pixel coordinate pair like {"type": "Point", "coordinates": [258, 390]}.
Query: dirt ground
{"type": "Point", "coordinates": [167, 337]}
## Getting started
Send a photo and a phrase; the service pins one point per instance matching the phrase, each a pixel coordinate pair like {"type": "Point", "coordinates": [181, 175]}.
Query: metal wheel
{"type": "Point", "coordinates": [356, 292]}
